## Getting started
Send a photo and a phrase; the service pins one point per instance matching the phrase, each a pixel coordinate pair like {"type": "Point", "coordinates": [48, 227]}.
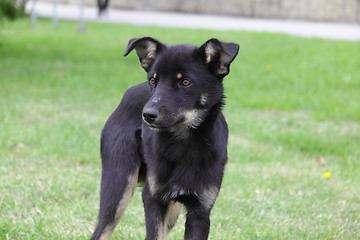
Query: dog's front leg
{"type": "Point", "coordinates": [160, 216]}
{"type": "Point", "coordinates": [197, 223]}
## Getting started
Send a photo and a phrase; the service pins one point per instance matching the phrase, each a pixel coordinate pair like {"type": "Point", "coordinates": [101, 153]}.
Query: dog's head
{"type": "Point", "coordinates": [185, 80]}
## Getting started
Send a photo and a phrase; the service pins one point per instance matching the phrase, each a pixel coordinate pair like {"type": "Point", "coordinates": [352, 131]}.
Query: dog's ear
{"type": "Point", "coordinates": [218, 55]}
{"type": "Point", "coordinates": [147, 49]}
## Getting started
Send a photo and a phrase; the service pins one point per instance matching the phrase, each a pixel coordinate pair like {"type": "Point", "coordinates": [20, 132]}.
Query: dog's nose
{"type": "Point", "coordinates": [150, 115]}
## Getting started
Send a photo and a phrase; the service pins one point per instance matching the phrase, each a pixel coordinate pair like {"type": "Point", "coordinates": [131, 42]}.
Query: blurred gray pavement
{"type": "Point", "coordinates": [340, 31]}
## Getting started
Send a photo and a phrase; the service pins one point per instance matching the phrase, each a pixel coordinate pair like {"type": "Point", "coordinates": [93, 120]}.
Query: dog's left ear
{"type": "Point", "coordinates": [218, 55]}
{"type": "Point", "coordinates": [147, 48]}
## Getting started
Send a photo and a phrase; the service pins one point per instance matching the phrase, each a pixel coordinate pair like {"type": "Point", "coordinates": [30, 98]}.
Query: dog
{"type": "Point", "coordinates": [169, 133]}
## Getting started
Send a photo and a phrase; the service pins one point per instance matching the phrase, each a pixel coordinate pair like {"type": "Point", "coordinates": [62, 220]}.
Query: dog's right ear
{"type": "Point", "coordinates": [147, 48]}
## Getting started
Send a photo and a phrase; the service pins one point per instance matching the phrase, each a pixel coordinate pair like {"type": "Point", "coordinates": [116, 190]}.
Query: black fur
{"type": "Point", "coordinates": [170, 132]}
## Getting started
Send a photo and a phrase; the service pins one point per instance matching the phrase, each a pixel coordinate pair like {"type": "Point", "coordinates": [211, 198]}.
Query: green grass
{"type": "Point", "coordinates": [289, 100]}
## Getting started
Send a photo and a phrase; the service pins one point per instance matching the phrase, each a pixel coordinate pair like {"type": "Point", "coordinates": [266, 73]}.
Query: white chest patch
{"type": "Point", "coordinates": [194, 117]}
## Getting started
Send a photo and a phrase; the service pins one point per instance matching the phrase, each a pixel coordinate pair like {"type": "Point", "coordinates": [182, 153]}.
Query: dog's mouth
{"type": "Point", "coordinates": [162, 126]}
{"type": "Point", "coordinates": [189, 119]}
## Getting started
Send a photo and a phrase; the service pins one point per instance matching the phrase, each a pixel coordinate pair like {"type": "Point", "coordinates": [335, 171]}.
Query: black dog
{"type": "Point", "coordinates": [170, 132]}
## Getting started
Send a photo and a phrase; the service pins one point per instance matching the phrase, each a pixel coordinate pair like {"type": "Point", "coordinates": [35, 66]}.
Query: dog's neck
{"type": "Point", "coordinates": [187, 133]}
{"type": "Point", "coordinates": [212, 115]}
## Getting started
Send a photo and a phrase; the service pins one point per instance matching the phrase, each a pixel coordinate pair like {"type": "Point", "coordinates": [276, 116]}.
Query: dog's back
{"type": "Point", "coordinates": [171, 131]}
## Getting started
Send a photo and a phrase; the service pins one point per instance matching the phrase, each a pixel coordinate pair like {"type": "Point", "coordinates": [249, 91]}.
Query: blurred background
{"type": "Point", "coordinates": [318, 10]}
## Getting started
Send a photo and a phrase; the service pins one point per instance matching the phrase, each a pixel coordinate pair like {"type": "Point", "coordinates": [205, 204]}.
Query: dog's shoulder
{"type": "Point", "coordinates": [136, 96]}
{"type": "Point", "coordinates": [133, 102]}
{"type": "Point", "coordinates": [126, 119]}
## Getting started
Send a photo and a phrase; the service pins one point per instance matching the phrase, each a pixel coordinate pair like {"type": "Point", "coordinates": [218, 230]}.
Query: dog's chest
{"type": "Point", "coordinates": [176, 184]}
{"type": "Point", "coordinates": [191, 191]}
{"type": "Point", "coordinates": [184, 171]}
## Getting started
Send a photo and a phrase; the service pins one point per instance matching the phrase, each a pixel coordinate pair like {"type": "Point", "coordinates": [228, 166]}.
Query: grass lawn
{"type": "Point", "coordinates": [293, 109]}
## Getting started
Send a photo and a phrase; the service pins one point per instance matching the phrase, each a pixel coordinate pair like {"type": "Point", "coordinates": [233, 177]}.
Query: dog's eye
{"type": "Point", "coordinates": [152, 81]}
{"type": "Point", "coordinates": [185, 82]}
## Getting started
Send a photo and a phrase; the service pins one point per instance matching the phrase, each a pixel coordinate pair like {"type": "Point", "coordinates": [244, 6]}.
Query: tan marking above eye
{"type": "Point", "coordinates": [154, 75]}
{"type": "Point", "coordinates": [179, 76]}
